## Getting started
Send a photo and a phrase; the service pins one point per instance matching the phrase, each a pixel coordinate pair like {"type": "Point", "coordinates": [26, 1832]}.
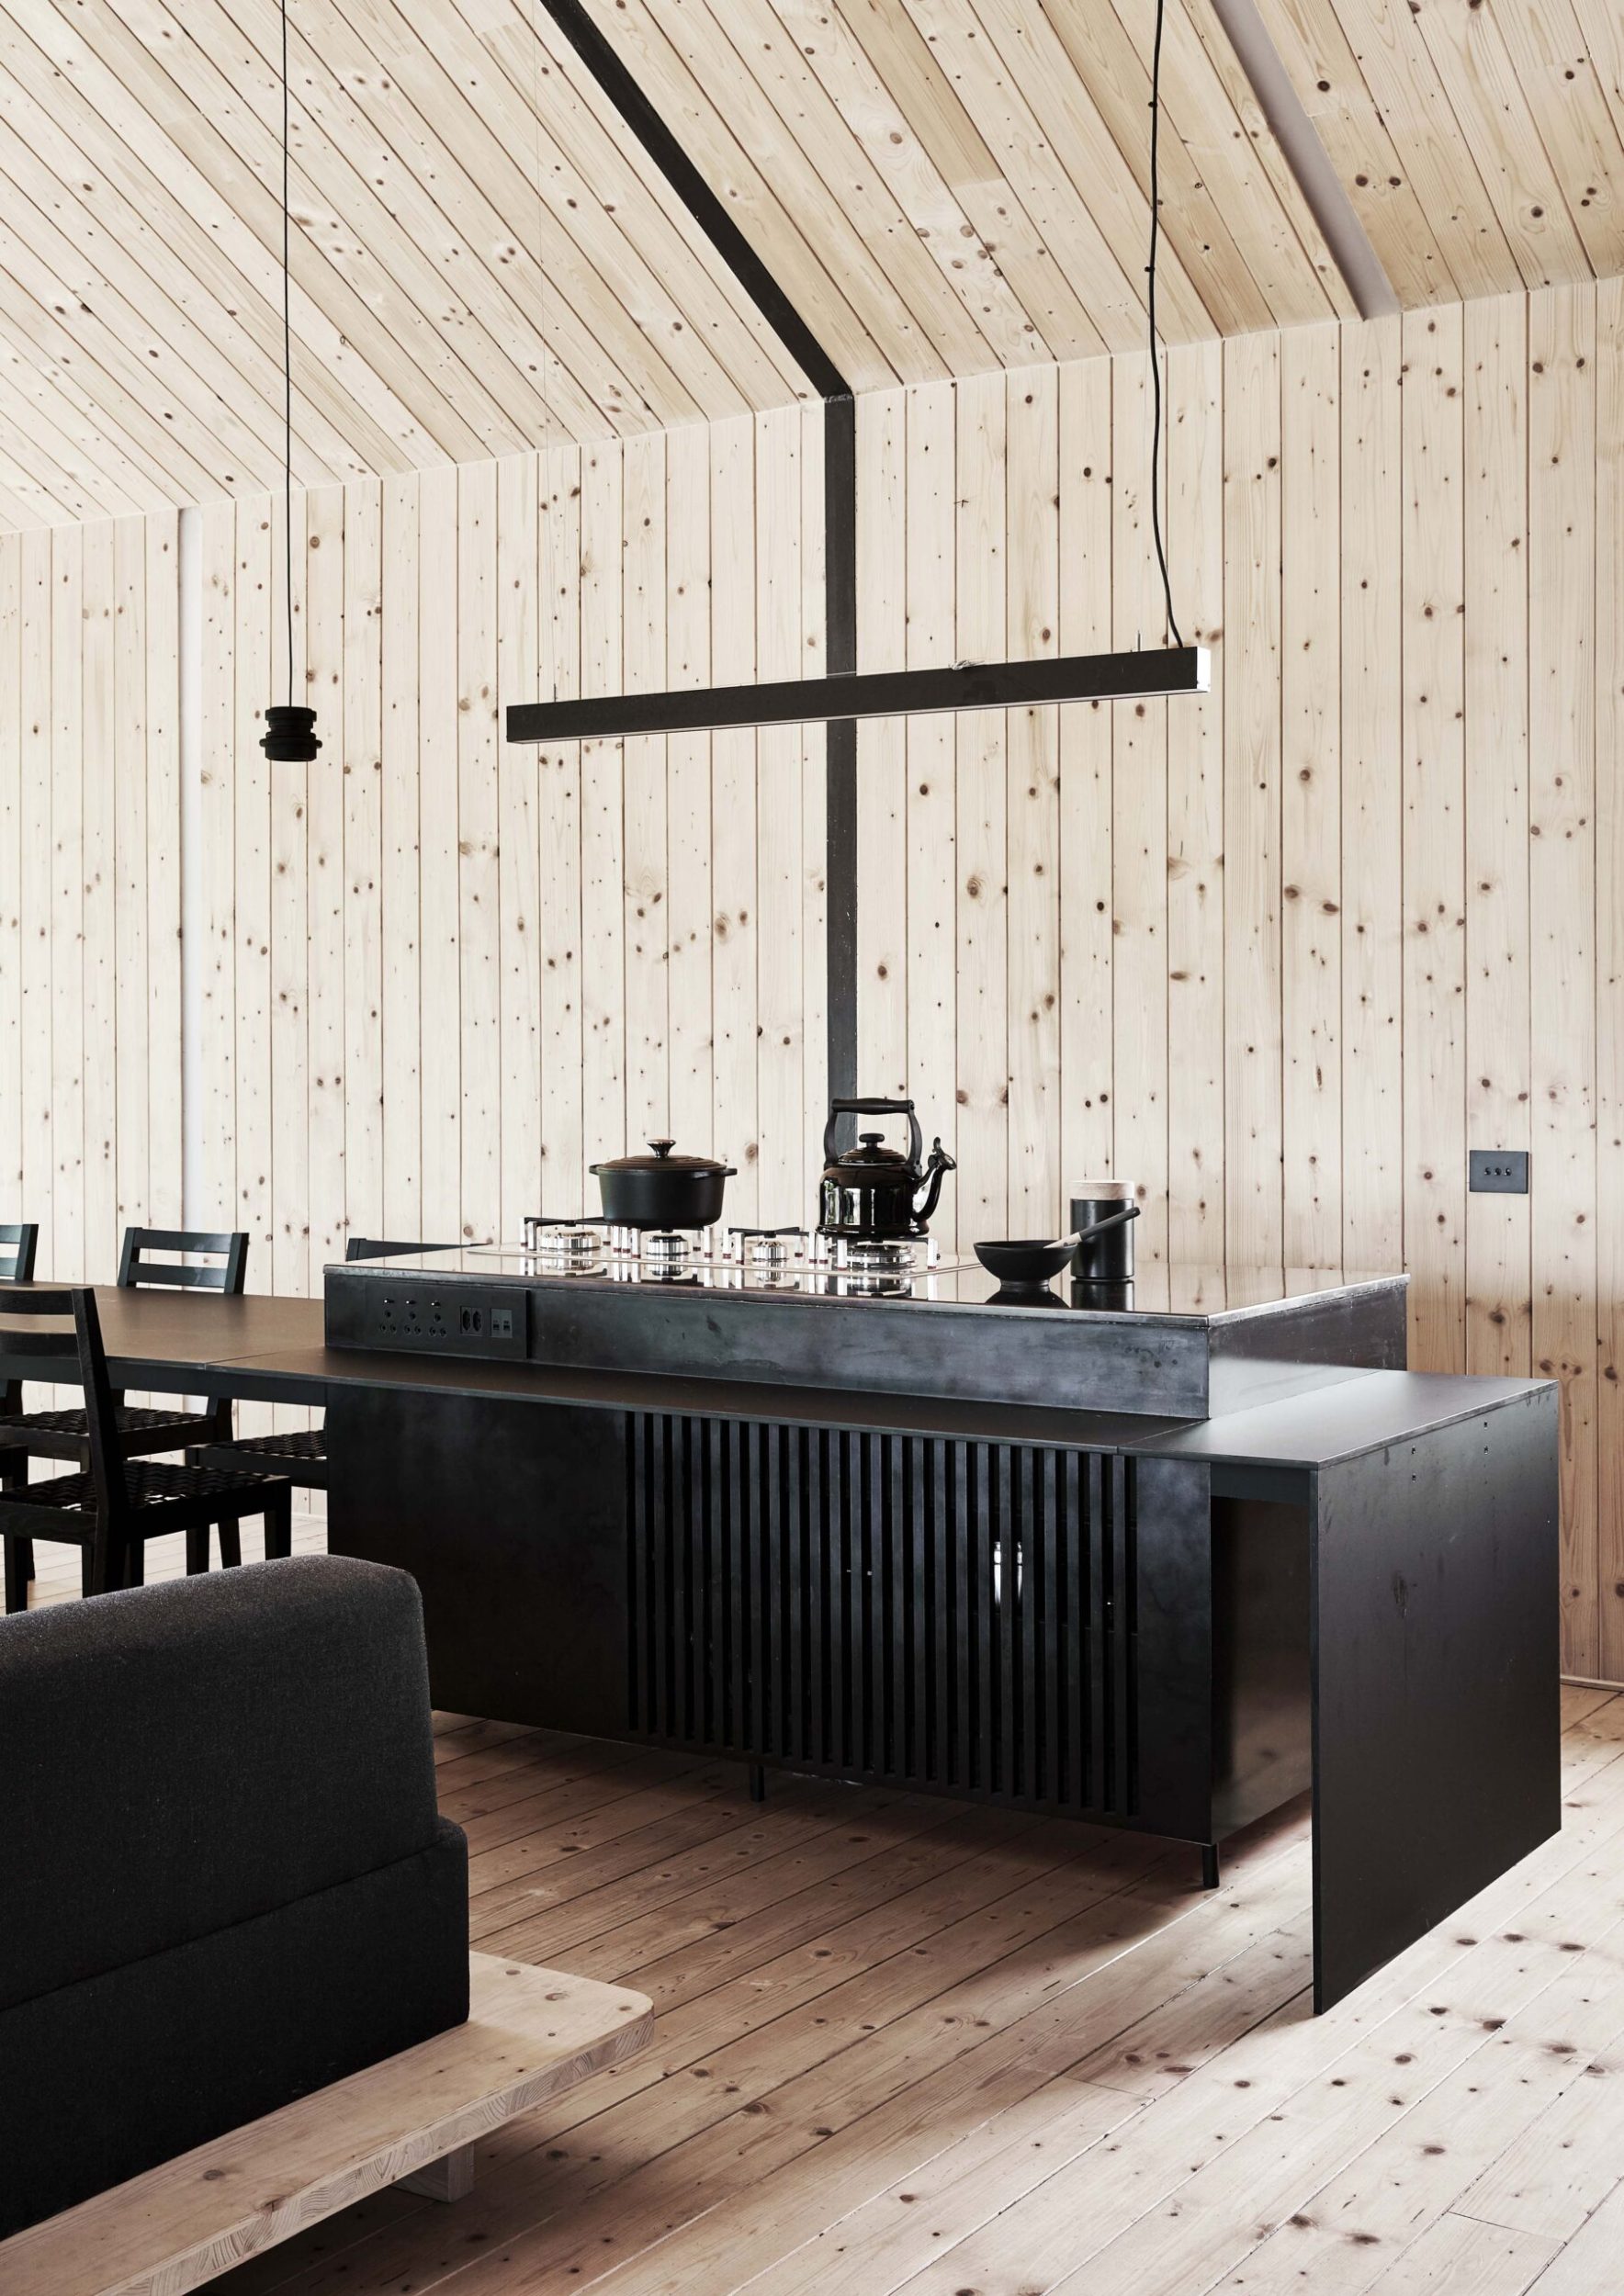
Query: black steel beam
{"type": "Point", "coordinates": [702, 203]}
{"type": "Point", "coordinates": [877, 693]}
{"type": "Point", "coordinates": [840, 501]}
{"type": "Point", "coordinates": [840, 579]}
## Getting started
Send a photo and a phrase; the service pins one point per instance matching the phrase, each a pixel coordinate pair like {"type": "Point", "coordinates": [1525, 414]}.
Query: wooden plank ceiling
{"type": "Point", "coordinates": [485, 260]}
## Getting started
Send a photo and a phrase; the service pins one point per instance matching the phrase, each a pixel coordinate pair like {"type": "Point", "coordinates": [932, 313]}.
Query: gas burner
{"type": "Point", "coordinates": [880, 1255]}
{"type": "Point", "coordinates": [666, 1254]}
{"type": "Point", "coordinates": [859, 1283]}
{"type": "Point", "coordinates": [569, 1247]}
{"type": "Point", "coordinates": [768, 1249]}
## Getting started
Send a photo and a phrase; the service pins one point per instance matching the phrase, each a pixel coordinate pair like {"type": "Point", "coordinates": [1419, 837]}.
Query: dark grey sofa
{"type": "Point", "coordinates": [223, 1881]}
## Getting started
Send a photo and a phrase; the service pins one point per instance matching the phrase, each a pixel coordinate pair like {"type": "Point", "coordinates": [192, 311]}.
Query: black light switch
{"type": "Point", "coordinates": [1498, 1171]}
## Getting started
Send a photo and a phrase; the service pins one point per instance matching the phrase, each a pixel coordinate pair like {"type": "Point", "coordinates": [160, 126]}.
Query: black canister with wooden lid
{"type": "Point", "coordinates": [1107, 1258]}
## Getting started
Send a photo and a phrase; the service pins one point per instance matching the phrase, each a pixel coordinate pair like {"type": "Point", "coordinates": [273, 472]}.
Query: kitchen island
{"type": "Point", "coordinates": [1163, 1559]}
{"type": "Point", "coordinates": [1158, 1561]}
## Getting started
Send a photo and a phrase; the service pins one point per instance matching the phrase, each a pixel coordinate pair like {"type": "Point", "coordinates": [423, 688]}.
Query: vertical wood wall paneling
{"type": "Point", "coordinates": [603, 815]}
{"type": "Point", "coordinates": [402, 1213]}
{"type": "Point", "coordinates": [439, 896]}
{"type": "Point", "coordinates": [1408, 539]}
{"type": "Point", "coordinates": [1087, 925]}
{"type": "Point", "coordinates": [36, 906]}
{"type": "Point", "coordinates": [1254, 1224]}
{"type": "Point", "coordinates": [213, 1193]}
{"type": "Point", "coordinates": [932, 602]}
{"type": "Point", "coordinates": [134, 1046]}
{"type": "Point", "coordinates": [161, 549]}
{"type": "Point", "coordinates": [691, 1106]}
{"type": "Point", "coordinates": [1373, 802]}
{"type": "Point", "coordinates": [289, 788]}
{"type": "Point", "coordinates": [1498, 1018]}
{"type": "Point", "coordinates": [645, 875]}
{"type": "Point", "coordinates": [1032, 820]}
{"type": "Point", "coordinates": [479, 921]}
{"type": "Point", "coordinates": [98, 875]}
{"type": "Point", "coordinates": [67, 896]}
{"type": "Point", "coordinates": [733, 813]}
{"type": "Point", "coordinates": [1195, 814]}
{"type": "Point", "coordinates": [255, 685]}
{"type": "Point", "coordinates": [1562, 872]}
{"type": "Point", "coordinates": [1311, 796]}
{"type": "Point", "coordinates": [1435, 804]}
{"type": "Point", "coordinates": [981, 1183]}
{"type": "Point", "coordinates": [882, 751]}
{"type": "Point", "coordinates": [363, 914]}
{"type": "Point", "coordinates": [14, 1121]}
{"type": "Point", "coordinates": [563, 1180]}
{"type": "Point", "coordinates": [1609, 971]}
{"type": "Point", "coordinates": [259, 679]}
{"type": "Point", "coordinates": [1139, 844]}
{"type": "Point", "coordinates": [518, 775]}
{"type": "Point", "coordinates": [779, 905]}
{"type": "Point", "coordinates": [325, 655]}
{"type": "Point", "coordinates": [89, 887]}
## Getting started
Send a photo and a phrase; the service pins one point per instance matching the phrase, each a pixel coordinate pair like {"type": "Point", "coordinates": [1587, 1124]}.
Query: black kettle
{"type": "Point", "coordinates": [875, 1194]}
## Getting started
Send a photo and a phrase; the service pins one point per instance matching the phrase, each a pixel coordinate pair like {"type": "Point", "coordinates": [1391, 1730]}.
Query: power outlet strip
{"type": "Point", "coordinates": [447, 1319]}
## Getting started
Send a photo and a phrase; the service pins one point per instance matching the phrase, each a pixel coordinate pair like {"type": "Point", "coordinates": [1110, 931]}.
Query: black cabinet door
{"type": "Point", "coordinates": [1021, 1624]}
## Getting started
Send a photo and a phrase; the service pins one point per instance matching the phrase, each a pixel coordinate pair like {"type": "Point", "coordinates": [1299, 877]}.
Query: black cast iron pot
{"type": "Point", "coordinates": [661, 1190]}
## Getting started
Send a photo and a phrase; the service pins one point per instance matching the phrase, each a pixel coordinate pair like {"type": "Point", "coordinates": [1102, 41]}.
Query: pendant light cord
{"type": "Point", "coordinates": [1156, 370]}
{"type": "Point", "coordinates": [287, 374]}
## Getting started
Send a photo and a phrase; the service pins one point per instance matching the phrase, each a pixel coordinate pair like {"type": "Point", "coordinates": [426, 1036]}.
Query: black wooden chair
{"type": "Point", "coordinates": [19, 1244]}
{"type": "Point", "coordinates": [65, 1435]}
{"type": "Point", "coordinates": [109, 1509]}
{"type": "Point", "coordinates": [300, 1454]}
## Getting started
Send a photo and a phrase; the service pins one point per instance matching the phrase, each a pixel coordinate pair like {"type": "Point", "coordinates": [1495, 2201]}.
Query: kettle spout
{"type": "Point", "coordinates": [941, 1162]}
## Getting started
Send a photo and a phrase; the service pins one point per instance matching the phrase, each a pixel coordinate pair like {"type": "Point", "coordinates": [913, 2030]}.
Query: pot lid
{"type": "Point", "coordinates": [870, 1154]}
{"type": "Point", "coordinates": [662, 1160]}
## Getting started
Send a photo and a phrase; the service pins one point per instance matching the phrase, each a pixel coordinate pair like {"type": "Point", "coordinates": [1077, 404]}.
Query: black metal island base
{"type": "Point", "coordinates": [1161, 1560]}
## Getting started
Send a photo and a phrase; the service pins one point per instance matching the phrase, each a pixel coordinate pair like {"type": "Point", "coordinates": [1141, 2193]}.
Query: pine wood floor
{"type": "Point", "coordinates": [908, 2049]}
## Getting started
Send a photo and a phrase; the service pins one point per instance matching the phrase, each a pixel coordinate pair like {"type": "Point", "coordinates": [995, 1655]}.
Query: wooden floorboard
{"type": "Point", "coordinates": [906, 2048]}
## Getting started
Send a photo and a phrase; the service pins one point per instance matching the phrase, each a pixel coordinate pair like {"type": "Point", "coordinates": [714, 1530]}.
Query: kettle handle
{"type": "Point", "coordinates": [837, 1108]}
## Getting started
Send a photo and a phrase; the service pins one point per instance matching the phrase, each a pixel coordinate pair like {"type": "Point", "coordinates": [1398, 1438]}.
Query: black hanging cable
{"type": "Point", "coordinates": [289, 738]}
{"type": "Point", "coordinates": [1156, 370]}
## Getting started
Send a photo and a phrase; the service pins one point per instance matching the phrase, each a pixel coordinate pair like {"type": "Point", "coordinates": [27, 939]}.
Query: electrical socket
{"type": "Point", "coordinates": [445, 1319]}
{"type": "Point", "coordinates": [1498, 1171]}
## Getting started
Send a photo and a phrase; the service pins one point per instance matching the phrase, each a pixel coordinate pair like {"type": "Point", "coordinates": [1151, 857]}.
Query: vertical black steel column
{"type": "Point", "coordinates": [840, 579]}
{"type": "Point", "coordinates": [840, 501]}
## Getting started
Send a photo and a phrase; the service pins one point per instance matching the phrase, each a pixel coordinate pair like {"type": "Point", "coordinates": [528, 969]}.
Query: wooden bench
{"type": "Point", "coordinates": [414, 2120]}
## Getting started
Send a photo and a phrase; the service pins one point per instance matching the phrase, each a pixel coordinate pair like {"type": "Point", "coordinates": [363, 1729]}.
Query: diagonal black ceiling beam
{"type": "Point", "coordinates": [839, 504]}
{"type": "Point", "coordinates": [663, 147]}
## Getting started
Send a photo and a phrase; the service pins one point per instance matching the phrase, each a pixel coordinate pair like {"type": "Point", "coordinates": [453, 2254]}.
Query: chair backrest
{"type": "Point", "coordinates": [18, 1244]}
{"type": "Point", "coordinates": [56, 1331]}
{"type": "Point", "coordinates": [135, 1269]}
{"type": "Point", "coordinates": [367, 1247]}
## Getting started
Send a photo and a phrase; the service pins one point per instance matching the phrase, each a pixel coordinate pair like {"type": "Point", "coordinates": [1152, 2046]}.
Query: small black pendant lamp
{"type": "Point", "coordinates": [290, 737]}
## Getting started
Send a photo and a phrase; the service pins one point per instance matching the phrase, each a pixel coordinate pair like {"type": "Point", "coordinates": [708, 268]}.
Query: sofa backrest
{"type": "Point", "coordinates": [180, 1758]}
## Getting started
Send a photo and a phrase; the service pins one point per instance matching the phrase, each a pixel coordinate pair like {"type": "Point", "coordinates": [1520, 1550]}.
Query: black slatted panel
{"type": "Point", "coordinates": [958, 1616]}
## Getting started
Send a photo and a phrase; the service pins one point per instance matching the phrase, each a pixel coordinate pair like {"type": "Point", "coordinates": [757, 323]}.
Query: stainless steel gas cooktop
{"type": "Point", "coordinates": [733, 1259]}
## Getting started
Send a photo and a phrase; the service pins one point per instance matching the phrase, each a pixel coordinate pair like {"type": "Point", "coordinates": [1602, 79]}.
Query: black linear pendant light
{"type": "Point", "coordinates": [290, 737]}
{"type": "Point", "coordinates": [1139, 675]}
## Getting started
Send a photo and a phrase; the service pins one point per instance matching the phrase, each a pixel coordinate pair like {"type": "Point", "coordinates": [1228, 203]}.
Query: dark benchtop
{"type": "Point", "coordinates": [270, 1350]}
